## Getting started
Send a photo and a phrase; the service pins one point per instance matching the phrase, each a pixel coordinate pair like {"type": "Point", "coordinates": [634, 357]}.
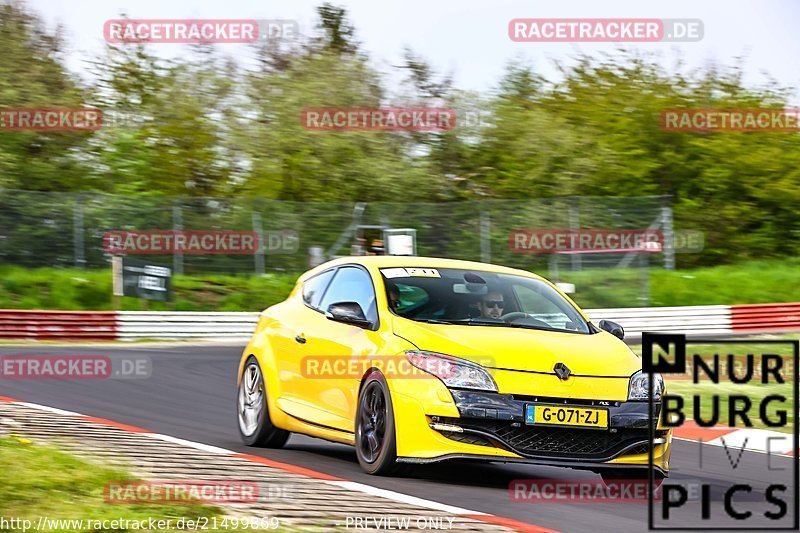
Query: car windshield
{"type": "Point", "coordinates": [476, 297]}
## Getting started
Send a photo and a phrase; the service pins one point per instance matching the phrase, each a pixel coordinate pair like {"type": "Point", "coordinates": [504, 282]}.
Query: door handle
{"type": "Point", "coordinates": [300, 339]}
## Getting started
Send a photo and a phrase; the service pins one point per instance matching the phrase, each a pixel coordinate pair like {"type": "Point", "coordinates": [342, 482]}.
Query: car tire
{"type": "Point", "coordinates": [254, 423]}
{"type": "Point", "coordinates": [375, 435]}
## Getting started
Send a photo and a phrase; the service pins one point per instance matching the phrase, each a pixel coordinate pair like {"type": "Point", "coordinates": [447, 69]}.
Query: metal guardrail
{"type": "Point", "coordinates": [185, 325]}
{"type": "Point", "coordinates": [58, 325]}
{"type": "Point", "coordinates": [176, 325]}
{"type": "Point", "coordinates": [693, 320]}
{"type": "Point", "coordinates": [766, 317]}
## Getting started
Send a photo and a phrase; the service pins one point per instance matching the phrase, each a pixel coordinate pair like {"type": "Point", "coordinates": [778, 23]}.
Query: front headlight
{"type": "Point", "coordinates": [638, 388]}
{"type": "Point", "coordinates": [454, 372]}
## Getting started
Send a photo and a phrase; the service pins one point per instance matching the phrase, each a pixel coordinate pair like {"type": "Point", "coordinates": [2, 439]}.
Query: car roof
{"type": "Point", "coordinates": [388, 261]}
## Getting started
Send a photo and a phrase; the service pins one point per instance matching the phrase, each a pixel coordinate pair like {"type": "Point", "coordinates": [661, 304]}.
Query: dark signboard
{"type": "Point", "coordinates": [145, 279]}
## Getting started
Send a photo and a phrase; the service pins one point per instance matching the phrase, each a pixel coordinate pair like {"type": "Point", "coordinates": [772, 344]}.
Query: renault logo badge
{"type": "Point", "coordinates": [562, 371]}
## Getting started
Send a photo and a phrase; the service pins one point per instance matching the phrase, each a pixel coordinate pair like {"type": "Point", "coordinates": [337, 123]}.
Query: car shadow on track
{"type": "Point", "coordinates": [318, 454]}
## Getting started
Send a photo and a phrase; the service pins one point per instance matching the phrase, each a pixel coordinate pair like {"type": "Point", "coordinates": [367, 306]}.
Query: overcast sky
{"type": "Point", "coordinates": [469, 38]}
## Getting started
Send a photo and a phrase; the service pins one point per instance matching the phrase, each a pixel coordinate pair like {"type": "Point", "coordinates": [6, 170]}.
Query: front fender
{"type": "Point", "coordinates": [262, 348]}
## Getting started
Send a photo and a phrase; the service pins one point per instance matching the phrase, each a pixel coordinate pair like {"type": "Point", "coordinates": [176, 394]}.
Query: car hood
{"type": "Point", "coordinates": [599, 354]}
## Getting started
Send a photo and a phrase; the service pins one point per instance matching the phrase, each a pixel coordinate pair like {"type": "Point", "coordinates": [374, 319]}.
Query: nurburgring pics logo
{"type": "Point", "coordinates": [197, 31]}
{"type": "Point", "coordinates": [646, 30]}
{"type": "Point", "coordinates": [753, 119]}
{"type": "Point", "coordinates": [50, 118]}
{"type": "Point", "coordinates": [378, 118]}
{"type": "Point", "coordinates": [736, 386]}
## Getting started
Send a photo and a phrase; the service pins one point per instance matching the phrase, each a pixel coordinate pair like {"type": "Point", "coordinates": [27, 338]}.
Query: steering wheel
{"type": "Point", "coordinates": [530, 321]}
{"type": "Point", "coordinates": [513, 316]}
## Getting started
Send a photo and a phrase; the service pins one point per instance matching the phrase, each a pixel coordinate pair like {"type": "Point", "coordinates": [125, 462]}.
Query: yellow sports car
{"type": "Point", "coordinates": [417, 360]}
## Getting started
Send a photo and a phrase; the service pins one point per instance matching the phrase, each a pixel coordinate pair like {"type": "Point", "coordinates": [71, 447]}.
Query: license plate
{"type": "Point", "coordinates": [566, 415]}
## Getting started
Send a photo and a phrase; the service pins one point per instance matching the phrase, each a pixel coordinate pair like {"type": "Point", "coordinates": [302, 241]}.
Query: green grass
{"type": "Point", "coordinates": [43, 481]}
{"type": "Point", "coordinates": [72, 289]}
{"type": "Point", "coordinates": [742, 283]}
{"type": "Point", "coordinates": [706, 390]}
{"type": "Point", "coordinates": [748, 282]}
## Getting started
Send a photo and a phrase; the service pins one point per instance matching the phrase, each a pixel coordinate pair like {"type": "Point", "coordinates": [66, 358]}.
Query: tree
{"type": "Point", "coordinates": [33, 75]}
{"type": "Point", "coordinates": [167, 121]}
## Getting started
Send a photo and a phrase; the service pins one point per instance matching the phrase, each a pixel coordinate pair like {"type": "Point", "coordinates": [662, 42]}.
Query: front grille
{"type": "Point", "coordinates": [553, 442]}
{"type": "Point", "coordinates": [467, 438]}
{"type": "Point", "coordinates": [639, 448]}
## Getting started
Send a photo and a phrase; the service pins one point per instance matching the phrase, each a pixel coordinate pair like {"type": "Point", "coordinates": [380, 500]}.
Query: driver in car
{"type": "Point", "coordinates": [492, 305]}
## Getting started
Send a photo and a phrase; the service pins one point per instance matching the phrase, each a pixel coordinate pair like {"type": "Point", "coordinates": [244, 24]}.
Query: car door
{"type": "Point", "coordinates": [335, 389]}
{"type": "Point", "coordinates": [290, 345]}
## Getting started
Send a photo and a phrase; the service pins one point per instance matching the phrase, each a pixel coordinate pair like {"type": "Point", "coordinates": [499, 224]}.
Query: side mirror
{"type": "Point", "coordinates": [348, 313]}
{"type": "Point", "coordinates": [613, 328]}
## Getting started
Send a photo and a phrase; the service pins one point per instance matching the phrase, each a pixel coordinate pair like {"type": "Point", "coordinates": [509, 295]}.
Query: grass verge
{"type": "Point", "coordinates": [67, 493]}
{"type": "Point", "coordinates": [43, 481]}
{"type": "Point", "coordinates": [747, 282]}
{"type": "Point", "coordinates": [72, 289]}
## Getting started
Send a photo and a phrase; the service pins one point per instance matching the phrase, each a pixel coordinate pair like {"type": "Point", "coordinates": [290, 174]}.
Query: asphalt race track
{"type": "Point", "coordinates": [191, 395]}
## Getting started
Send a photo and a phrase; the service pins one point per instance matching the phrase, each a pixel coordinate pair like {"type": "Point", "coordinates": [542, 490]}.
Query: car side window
{"type": "Point", "coordinates": [404, 297]}
{"type": "Point", "coordinates": [314, 288]}
{"type": "Point", "coordinates": [352, 284]}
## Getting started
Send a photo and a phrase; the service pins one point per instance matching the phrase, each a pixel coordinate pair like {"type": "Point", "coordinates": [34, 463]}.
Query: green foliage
{"type": "Point", "coordinates": [202, 125]}
{"type": "Point", "coordinates": [32, 74]}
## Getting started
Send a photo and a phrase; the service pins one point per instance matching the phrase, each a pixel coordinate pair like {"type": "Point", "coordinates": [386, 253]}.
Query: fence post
{"type": "Point", "coordinates": [644, 267]}
{"type": "Point", "coordinates": [669, 238]}
{"type": "Point", "coordinates": [259, 231]}
{"type": "Point", "coordinates": [575, 225]}
{"type": "Point", "coordinates": [177, 225]}
{"type": "Point", "coordinates": [486, 236]}
{"type": "Point", "coordinates": [77, 233]}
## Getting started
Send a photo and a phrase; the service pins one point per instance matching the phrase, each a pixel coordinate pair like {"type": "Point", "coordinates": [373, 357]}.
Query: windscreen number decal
{"type": "Point", "coordinates": [390, 273]}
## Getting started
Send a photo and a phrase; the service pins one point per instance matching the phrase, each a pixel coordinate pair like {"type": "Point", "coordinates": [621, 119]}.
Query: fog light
{"type": "Point", "coordinates": [446, 427]}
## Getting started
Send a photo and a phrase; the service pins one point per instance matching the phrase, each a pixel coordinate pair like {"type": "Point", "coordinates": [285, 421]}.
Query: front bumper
{"type": "Point", "coordinates": [491, 426]}
{"type": "Point", "coordinates": [491, 419]}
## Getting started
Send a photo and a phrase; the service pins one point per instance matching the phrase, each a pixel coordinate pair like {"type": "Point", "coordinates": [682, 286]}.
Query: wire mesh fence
{"type": "Point", "coordinates": [39, 229]}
